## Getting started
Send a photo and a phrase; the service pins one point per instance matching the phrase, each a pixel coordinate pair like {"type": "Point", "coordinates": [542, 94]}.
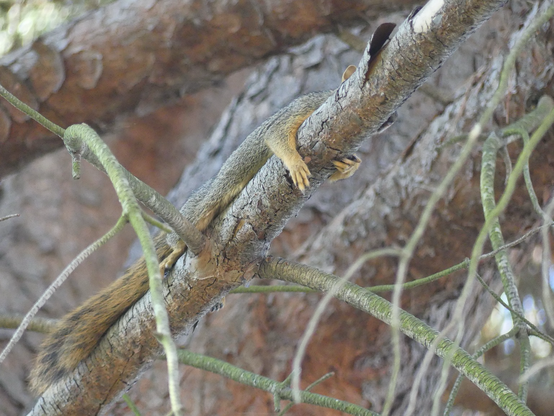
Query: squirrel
{"type": "Point", "coordinates": [76, 335]}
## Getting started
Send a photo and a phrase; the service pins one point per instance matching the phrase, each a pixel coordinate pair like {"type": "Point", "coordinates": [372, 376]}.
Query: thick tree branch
{"type": "Point", "coordinates": [132, 57]}
{"type": "Point", "coordinates": [242, 235]}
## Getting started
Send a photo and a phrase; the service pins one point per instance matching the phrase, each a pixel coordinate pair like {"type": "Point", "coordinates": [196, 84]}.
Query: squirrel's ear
{"type": "Point", "coordinates": [348, 72]}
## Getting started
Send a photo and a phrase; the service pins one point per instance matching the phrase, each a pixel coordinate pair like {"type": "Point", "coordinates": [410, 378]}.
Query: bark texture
{"type": "Point", "coordinates": [378, 207]}
{"type": "Point", "coordinates": [132, 57]}
{"type": "Point", "coordinates": [383, 211]}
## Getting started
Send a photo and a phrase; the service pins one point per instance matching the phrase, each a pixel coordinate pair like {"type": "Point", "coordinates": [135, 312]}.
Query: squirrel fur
{"type": "Point", "coordinates": [76, 335]}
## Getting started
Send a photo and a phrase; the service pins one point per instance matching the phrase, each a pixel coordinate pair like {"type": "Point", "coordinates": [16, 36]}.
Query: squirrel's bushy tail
{"type": "Point", "coordinates": [78, 333]}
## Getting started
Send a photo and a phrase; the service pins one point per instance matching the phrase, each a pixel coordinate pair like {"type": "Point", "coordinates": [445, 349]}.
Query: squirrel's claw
{"type": "Point", "coordinates": [345, 167]}
{"type": "Point", "coordinates": [218, 306]}
{"type": "Point", "coordinates": [167, 264]}
{"type": "Point", "coordinates": [300, 173]}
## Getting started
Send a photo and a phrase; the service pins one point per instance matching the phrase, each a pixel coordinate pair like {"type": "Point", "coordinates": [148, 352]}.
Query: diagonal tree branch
{"type": "Point", "coordinates": [242, 235]}
{"type": "Point", "coordinates": [132, 57]}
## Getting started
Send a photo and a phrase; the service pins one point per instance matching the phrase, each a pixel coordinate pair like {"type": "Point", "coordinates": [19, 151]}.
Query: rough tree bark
{"type": "Point", "coordinates": [132, 57]}
{"type": "Point", "coordinates": [268, 328]}
{"type": "Point", "coordinates": [383, 210]}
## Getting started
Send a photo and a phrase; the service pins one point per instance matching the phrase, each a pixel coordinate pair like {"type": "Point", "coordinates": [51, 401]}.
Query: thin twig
{"type": "Point", "coordinates": [57, 283]}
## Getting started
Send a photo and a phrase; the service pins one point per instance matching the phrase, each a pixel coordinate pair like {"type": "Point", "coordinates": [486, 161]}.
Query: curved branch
{"type": "Point", "coordinates": [281, 390]}
{"type": "Point", "coordinates": [416, 329]}
{"type": "Point", "coordinates": [132, 57]}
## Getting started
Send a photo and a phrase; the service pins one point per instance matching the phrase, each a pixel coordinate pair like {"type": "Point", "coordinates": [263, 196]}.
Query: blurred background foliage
{"type": "Point", "coordinates": [22, 21]}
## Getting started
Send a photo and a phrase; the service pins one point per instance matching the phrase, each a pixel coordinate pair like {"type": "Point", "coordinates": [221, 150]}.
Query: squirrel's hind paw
{"type": "Point", "coordinates": [345, 167]}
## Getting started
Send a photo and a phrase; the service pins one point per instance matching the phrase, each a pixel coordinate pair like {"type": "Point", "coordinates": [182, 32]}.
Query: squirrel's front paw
{"type": "Point", "coordinates": [299, 173]}
{"type": "Point", "coordinates": [169, 261]}
{"type": "Point", "coordinates": [345, 168]}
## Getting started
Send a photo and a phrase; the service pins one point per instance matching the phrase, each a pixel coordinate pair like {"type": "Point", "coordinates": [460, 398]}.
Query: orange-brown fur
{"type": "Point", "coordinates": [78, 333]}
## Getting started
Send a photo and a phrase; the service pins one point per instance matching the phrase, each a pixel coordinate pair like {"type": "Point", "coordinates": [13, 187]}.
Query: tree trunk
{"type": "Point", "coordinates": [130, 58]}
{"type": "Point", "coordinates": [378, 207]}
